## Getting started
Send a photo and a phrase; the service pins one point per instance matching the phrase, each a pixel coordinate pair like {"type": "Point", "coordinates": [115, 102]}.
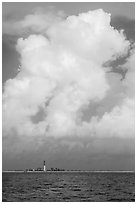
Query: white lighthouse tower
{"type": "Point", "coordinates": [44, 166]}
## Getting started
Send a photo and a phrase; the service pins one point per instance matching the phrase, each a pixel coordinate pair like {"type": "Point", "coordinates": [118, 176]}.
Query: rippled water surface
{"type": "Point", "coordinates": [68, 186]}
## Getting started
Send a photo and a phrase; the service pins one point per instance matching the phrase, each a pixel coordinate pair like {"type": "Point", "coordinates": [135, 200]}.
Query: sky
{"type": "Point", "coordinates": [68, 85]}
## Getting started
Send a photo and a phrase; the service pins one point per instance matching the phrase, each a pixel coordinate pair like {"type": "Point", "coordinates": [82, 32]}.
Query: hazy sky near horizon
{"type": "Point", "coordinates": [68, 85]}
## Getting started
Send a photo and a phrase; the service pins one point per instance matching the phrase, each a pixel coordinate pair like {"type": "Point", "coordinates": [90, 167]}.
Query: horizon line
{"type": "Point", "coordinates": [69, 171]}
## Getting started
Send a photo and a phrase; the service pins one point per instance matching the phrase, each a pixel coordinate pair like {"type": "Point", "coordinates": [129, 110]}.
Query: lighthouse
{"type": "Point", "coordinates": [44, 166]}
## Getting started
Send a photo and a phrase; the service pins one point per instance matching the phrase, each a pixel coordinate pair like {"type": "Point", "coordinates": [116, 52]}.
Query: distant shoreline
{"type": "Point", "coordinates": [82, 171]}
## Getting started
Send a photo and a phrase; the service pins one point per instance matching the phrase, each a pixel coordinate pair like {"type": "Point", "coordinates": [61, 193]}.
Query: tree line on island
{"type": "Point", "coordinates": [41, 169]}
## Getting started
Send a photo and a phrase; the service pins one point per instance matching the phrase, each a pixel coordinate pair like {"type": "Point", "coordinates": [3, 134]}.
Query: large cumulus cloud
{"type": "Point", "coordinates": [62, 73]}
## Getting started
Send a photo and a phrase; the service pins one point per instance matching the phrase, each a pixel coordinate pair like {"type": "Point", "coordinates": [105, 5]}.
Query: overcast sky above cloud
{"type": "Point", "coordinates": [66, 93]}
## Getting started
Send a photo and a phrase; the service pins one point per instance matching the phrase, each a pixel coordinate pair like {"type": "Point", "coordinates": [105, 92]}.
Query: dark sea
{"type": "Point", "coordinates": [68, 186]}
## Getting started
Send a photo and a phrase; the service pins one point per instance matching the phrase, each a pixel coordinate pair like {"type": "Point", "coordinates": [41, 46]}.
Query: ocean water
{"type": "Point", "coordinates": [68, 186]}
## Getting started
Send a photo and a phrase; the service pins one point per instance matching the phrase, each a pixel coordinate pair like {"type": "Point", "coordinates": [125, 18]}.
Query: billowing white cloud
{"type": "Point", "coordinates": [62, 72]}
{"type": "Point", "coordinates": [117, 123]}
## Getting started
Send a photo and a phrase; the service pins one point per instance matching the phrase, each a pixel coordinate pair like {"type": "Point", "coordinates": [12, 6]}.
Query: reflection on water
{"type": "Point", "coordinates": [68, 186]}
